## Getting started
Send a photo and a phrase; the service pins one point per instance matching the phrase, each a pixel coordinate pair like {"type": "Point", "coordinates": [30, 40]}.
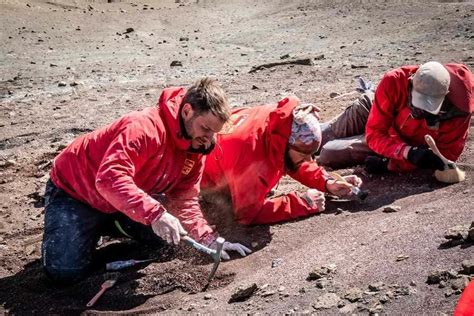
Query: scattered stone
{"type": "Point", "coordinates": [341, 304]}
{"type": "Point", "coordinates": [376, 287]}
{"type": "Point", "coordinates": [353, 295]}
{"type": "Point", "coordinates": [413, 283]}
{"type": "Point", "coordinates": [285, 56]}
{"type": "Point", "coordinates": [207, 296]}
{"type": "Point", "coordinates": [321, 283]}
{"type": "Point", "coordinates": [333, 94]}
{"type": "Point", "coordinates": [404, 290]}
{"type": "Point", "coordinates": [267, 293]}
{"type": "Point", "coordinates": [62, 84]}
{"type": "Point", "coordinates": [402, 257]}
{"type": "Point", "coordinates": [254, 244]}
{"type": "Point", "coordinates": [74, 83]}
{"type": "Point", "coordinates": [391, 208]}
{"type": "Point", "coordinates": [184, 39]}
{"type": "Point", "coordinates": [322, 271]}
{"type": "Point", "coordinates": [281, 288]}
{"type": "Point", "coordinates": [468, 266]}
{"type": "Point", "coordinates": [254, 87]}
{"type": "Point", "coordinates": [349, 308]}
{"type": "Point", "coordinates": [327, 300]}
{"type": "Point", "coordinates": [243, 293]}
{"type": "Point", "coordinates": [384, 299]}
{"type": "Point", "coordinates": [376, 309]}
{"type": "Point", "coordinates": [276, 262]}
{"type": "Point", "coordinates": [460, 284]}
{"type": "Point", "coordinates": [471, 232]}
{"type": "Point", "coordinates": [458, 232]}
{"type": "Point", "coordinates": [439, 275]}
{"type": "Point", "coordinates": [359, 66]}
{"type": "Point", "coordinates": [442, 284]}
{"type": "Point", "coordinates": [176, 63]}
{"type": "Point", "coordinates": [449, 292]}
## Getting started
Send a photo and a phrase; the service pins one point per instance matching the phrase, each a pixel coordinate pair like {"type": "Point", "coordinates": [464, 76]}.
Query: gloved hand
{"type": "Point", "coordinates": [168, 228]}
{"type": "Point", "coordinates": [228, 246]}
{"type": "Point", "coordinates": [424, 159]}
{"type": "Point", "coordinates": [315, 199]}
{"type": "Point", "coordinates": [376, 165]}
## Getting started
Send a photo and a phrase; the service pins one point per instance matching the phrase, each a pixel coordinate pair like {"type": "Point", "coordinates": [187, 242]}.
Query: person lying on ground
{"type": "Point", "coordinates": [256, 148]}
{"type": "Point", "coordinates": [387, 131]}
{"type": "Point", "coordinates": [138, 175]}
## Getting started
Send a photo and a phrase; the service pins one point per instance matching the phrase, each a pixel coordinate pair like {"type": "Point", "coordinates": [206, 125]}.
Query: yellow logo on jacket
{"type": "Point", "coordinates": [188, 166]}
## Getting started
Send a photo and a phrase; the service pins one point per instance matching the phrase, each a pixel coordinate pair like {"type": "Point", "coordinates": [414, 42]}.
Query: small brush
{"type": "Point", "coordinates": [451, 173]}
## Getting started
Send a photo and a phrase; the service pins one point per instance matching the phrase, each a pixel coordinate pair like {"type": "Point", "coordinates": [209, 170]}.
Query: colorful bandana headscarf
{"type": "Point", "coordinates": [305, 126]}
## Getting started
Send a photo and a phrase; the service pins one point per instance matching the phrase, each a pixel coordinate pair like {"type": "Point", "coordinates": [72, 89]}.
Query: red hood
{"type": "Point", "coordinates": [460, 90]}
{"type": "Point", "coordinates": [169, 106]}
{"type": "Point", "coordinates": [279, 127]}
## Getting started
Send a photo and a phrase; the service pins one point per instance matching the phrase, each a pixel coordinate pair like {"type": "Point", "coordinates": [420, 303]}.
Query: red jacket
{"type": "Point", "coordinates": [249, 162]}
{"type": "Point", "coordinates": [390, 126]}
{"type": "Point", "coordinates": [465, 306]}
{"type": "Point", "coordinates": [120, 167]}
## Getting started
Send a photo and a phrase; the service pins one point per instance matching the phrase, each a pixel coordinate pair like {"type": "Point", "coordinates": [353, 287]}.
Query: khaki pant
{"type": "Point", "coordinates": [343, 138]}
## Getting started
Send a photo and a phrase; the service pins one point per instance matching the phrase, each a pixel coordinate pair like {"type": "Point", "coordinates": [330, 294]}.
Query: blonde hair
{"type": "Point", "coordinates": [207, 95]}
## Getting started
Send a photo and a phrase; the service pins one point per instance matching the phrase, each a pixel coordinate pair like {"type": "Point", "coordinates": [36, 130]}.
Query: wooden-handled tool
{"type": "Point", "coordinates": [451, 173]}
{"type": "Point", "coordinates": [106, 285]}
{"type": "Point", "coordinates": [361, 194]}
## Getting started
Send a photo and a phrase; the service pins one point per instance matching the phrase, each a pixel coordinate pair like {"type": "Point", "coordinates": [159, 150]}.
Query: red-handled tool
{"type": "Point", "coordinates": [106, 285]}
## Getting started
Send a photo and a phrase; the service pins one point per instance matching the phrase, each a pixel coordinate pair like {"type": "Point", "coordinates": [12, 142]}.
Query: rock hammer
{"type": "Point", "coordinates": [214, 253]}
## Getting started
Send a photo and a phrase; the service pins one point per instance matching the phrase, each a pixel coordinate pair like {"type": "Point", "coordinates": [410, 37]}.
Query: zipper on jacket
{"type": "Point", "coordinates": [404, 122]}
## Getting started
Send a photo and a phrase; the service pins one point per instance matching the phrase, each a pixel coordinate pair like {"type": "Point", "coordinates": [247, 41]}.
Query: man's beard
{"type": "Point", "coordinates": [202, 149]}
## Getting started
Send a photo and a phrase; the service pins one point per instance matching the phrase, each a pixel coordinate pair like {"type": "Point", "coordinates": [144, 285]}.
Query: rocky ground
{"type": "Point", "coordinates": [69, 67]}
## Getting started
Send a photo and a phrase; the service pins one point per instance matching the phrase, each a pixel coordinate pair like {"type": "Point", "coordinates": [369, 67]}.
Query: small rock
{"type": "Point", "coordinates": [321, 283]}
{"type": "Point", "coordinates": [449, 292]}
{"type": "Point", "coordinates": [254, 87]}
{"type": "Point", "coordinates": [471, 232]}
{"type": "Point", "coordinates": [468, 266]}
{"type": "Point", "coordinates": [62, 84]}
{"type": "Point", "coordinates": [281, 288]}
{"type": "Point", "coordinates": [74, 83]}
{"type": "Point", "coordinates": [402, 257]}
{"type": "Point", "coordinates": [267, 293]}
{"type": "Point", "coordinates": [276, 262]}
{"type": "Point", "coordinates": [285, 56]}
{"type": "Point", "coordinates": [439, 275]}
{"type": "Point", "coordinates": [333, 95]}
{"type": "Point", "coordinates": [377, 286]}
{"type": "Point", "coordinates": [442, 284]}
{"type": "Point", "coordinates": [359, 66]}
{"type": "Point", "coordinates": [384, 299]}
{"type": "Point", "coordinates": [322, 271]}
{"type": "Point", "coordinates": [207, 296]}
{"type": "Point", "coordinates": [353, 295]}
{"type": "Point", "coordinates": [325, 301]}
{"type": "Point", "coordinates": [458, 232]}
{"type": "Point", "coordinates": [184, 39]}
{"type": "Point", "coordinates": [348, 309]}
{"type": "Point", "coordinates": [391, 209]}
{"type": "Point", "coordinates": [341, 304]}
{"type": "Point", "coordinates": [243, 293]}
{"type": "Point", "coordinates": [254, 244]}
{"type": "Point", "coordinates": [413, 283]}
{"type": "Point", "coordinates": [460, 284]}
{"type": "Point", "coordinates": [176, 63]}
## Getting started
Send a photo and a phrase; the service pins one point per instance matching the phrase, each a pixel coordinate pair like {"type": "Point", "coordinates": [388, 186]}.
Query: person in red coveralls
{"type": "Point", "coordinates": [139, 174]}
{"type": "Point", "coordinates": [387, 130]}
{"type": "Point", "coordinates": [256, 148]}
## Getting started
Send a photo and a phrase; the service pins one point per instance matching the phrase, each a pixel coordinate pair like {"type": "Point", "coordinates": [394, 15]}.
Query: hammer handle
{"type": "Point", "coordinates": [197, 245]}
{"type": "Point", "coordinates": [431, 143]}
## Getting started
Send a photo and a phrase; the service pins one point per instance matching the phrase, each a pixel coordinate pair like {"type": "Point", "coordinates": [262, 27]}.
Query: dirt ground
{"type": "Point", "coordinates": [68, 67]}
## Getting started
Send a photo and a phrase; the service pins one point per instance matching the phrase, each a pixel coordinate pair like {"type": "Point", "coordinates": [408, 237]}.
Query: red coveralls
{"type": "Point", "coordinates": [249, 161]}
{"type": "Point", "coordinates": [120, 166]}
{"type": "Point", "coordinates": [465, 306]}
{"type": "Point", "coordinates": [390, 126]}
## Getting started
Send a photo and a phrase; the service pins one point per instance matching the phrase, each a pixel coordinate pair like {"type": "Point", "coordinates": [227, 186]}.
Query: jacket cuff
{"type": "Point", "coordinates": [153, 217]}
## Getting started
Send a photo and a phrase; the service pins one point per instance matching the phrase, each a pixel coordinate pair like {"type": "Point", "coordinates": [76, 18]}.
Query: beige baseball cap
{"type": "Point", "coordinates": [430, 86]}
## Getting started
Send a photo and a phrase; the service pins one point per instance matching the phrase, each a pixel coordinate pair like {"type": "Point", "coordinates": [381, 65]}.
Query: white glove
{"type": "Point", "coordinates": [168, 228]}
{"type": "Point", "coordinates": [315, 199]}
{"type": "Point", "coordinates": [241, 249]}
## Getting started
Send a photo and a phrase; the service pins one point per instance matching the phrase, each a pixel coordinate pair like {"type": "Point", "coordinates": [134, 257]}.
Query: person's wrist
{"type": "Point", "coordinates": [326, 186]}
{"type": "Point", "coordinates": [406, 150]}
